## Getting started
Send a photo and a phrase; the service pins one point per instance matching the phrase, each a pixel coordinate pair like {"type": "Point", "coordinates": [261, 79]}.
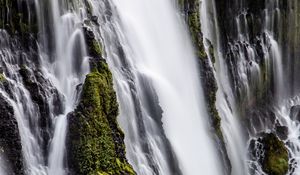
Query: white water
{"type": "Point", "coordinates": [66, 69]}
{"type": "Point", "coordinates": [24, 112]}
{"type": "Point", "coordinates": [65, 76]}
{"type": "Point", "coordinates": [250, 78]}
{"type": "Point", "coordinates": [233, 135]}
{"type": "Point", "coordinates": [157, 48]}
{"type": "Point", "coordinates": [161, 51]}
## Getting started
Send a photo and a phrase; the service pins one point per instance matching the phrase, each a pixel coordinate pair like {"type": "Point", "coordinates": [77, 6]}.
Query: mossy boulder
{"type": "Point", "coordinates": [95, 141]}
{"type": "Point", "coordinates": [275, 161]}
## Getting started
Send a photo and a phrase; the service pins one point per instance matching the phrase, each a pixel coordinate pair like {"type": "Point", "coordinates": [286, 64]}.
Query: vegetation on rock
{"type": "Point", "coordinates": [191, 8]}
{"type": "Point", "coordinates": [192, 15]}
{"type": "Point", "coordinates": [95, 141]}
{"type": "Point", "coordinates": [2, 78]}
{"type": "Point", "coordinates": [275, 161]}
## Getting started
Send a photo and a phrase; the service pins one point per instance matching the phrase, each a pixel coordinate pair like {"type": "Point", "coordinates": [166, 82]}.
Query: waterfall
{"type": "Point", "coordinates": [252, 49]}
{"type": "Point", "coordinates": [24, 109]}
{"type": "Point", "coordinates": [153, 63]}
{"type": "Point", "coordinates": [248, 59]}
{"type": "Point", "coordinates": [63, 67]}
{"type": "Point", "coordinates": [156, 77]}
{"type": "Point", "coordinates": [68, 38]}
{"type": "Point", "coordinates": [226, 103]}
{"type": "Point", "coordinates": [65, 74]}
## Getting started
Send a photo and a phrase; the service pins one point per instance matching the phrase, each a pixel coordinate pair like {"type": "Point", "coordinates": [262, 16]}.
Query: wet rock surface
{"type": "Point", "coordinates": [295, 113]}
{"type": "Point", "coordinates": [10, 141]}
{"type": "Point", "coordinates": [270, 153]}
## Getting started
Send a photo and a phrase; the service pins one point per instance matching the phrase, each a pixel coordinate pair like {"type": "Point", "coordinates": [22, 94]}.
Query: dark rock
{"type": "Point", "coordinates": [10, 139]}
{"type": "Point", "coordinates": [295, 113]}
{"type": "Point", "coordinates": [40, 90]}
{"type": "Point", "coordinates": [282, 132]}
{"type": "Point", "coordinates": [95, 19]}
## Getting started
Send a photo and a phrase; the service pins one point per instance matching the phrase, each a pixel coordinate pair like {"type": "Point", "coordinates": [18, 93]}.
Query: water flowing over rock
{"type": "Point", "coordinates": [163, 87]}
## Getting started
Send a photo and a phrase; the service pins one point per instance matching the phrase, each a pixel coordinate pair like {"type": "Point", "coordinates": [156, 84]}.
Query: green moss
{"type": "Point", "coordinates": [276, 157]}
{"type": "Point", "coordinates": [193, 22]}
{"type": "Point", "coordinates": [191, 9]}
{"type": "Point", "coordinates": [2, 78]}
{"type": "Point", "coordinates": [94, 47]}
{"type": "Point", "coordinates": [192, 16]}
{"type": "Point", "coordinates": [93, 129]}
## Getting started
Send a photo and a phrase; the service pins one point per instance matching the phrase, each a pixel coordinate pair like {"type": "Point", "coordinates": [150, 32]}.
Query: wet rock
{"type": "Point", "coordinates": [95, 19]}
{"type": "Point", "coordinates": [282, 132]}
{"type": "Point", "coordinates": [41, 90]}
{"type": "Point", "coordinates": [275, 160]}
{"type": "Point", "coordinates": [295, 113]}
{"type": "Point", "coordinates": [10, 140]}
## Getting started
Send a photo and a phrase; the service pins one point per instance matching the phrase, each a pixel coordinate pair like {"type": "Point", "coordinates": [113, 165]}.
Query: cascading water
{"type": "Point", "coordinates": [156, 77]}
{"type": "Point", "coordinates": [250, 59]}
{"type": "Point", "coordinates": [166, 106]}
{"type": "Point", "coordinates": [226, 103]}
{"type": "Point", "coordinates": [146, 52]}
{"type": "Point", "coordinates": [65, 67]}
{"type": "Point", "coordinates": [24, 109]}
{"type": "Point", "coordinates": [67, 71]}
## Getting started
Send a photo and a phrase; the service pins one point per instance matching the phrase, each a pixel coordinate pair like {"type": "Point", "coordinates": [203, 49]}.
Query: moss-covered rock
{"type": "Point", "coordinates": [2, 78]}
{"type": "Point", "coordinates": [94, 47]}
{"type": "Point", "coordinates": [192, 15]}
{"type": "Point", "coordinates": [95, 142]}
{"type": "Point", "coordinates": [191, 10]}
{"type": "Point", "coordinates": [275, 161]}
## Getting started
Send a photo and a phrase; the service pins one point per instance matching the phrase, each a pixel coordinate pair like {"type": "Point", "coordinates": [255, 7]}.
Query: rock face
{"type": "Point", "coordinates": [275, 161]}
{"type": "Point", "coordinates": [18, 18]}
{"type": "Point", "coordinates": [40, 90]}
{"type": "Point", "coordinates": [191, 11]}
{"type": "Point", "coordinates": [10, 141]}
{"type": "Point", "coordinates": [95, 141]}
